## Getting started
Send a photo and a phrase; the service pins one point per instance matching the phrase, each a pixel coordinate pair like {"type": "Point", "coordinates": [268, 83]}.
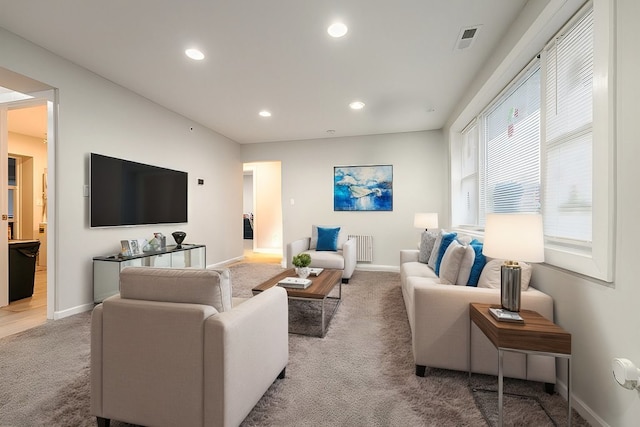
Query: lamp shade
{"type": "Point", "coordinates": [426, 220]}
{"type": "Point", "coordinates": [517, 237]}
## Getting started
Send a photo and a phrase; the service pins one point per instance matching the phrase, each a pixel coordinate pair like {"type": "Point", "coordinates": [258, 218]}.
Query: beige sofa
{"type": "Point", "coordinates": [439, 321]}
{"type": "Point", "coordinates": [173, 349]}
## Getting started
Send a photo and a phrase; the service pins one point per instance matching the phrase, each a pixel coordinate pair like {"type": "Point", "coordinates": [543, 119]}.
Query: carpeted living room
{"type": "Point", "coordinates": [361, 373]}
{"type": "Point", "coordinates": [271, 119]}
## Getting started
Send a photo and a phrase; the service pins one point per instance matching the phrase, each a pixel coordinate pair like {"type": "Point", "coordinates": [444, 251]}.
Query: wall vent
{"type": "Point", "coordinates": [467, 37]}
{"type": "Point", "coordinates": [364, 247]}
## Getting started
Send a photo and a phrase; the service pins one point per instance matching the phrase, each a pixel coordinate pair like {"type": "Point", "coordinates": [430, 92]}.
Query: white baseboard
{"type": "Point", "coordinates": [226, 262]}
{"type": "Point", "coordinates": [377, 267]}
{"type": "Point", "coordinates": [581, 408]}
{"type": "Point", "coordinates": [274, 251]}
{"type": "Point", "coordinates": [71, 311]}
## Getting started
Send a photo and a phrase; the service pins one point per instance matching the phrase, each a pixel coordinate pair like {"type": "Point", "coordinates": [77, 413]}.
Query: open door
{"type": "Point", "coordinates": [4, 211]}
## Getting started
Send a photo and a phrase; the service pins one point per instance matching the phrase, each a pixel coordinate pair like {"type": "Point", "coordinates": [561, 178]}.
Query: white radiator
{"type": "Point", "coordinates": [364, 245]}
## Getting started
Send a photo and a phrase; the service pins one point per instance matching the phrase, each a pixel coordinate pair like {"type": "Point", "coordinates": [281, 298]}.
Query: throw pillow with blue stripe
{"type": "Point", "coordinates": [447, 238]}
{"type": "Point", "coordinates": [478, 263]}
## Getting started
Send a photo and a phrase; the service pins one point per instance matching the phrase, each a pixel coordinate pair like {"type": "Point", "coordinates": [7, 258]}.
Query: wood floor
{"type": "Point", "coordinates": [28, 312]}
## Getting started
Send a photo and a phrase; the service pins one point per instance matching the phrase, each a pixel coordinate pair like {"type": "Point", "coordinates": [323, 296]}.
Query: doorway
{"type": "Point", "coordinates": [25, 126]}
{"type": "Point", "coordinates": [262, 210]}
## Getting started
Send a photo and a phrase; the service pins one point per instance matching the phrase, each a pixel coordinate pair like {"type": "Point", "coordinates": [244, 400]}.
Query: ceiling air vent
{"type": "Point", "coordinates": [467, 37]}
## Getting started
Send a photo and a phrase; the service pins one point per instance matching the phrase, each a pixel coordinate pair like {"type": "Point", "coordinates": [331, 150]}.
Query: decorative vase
{"type": "Point", "coordinates": [303, 272]}
{"type": "Point", "coordinates": [179, 236]}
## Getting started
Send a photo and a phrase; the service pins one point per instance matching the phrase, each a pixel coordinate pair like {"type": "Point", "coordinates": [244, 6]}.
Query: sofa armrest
{"type": "Point", "coordinates": [349, 252]}
{"type": "Point", "coordinates": [96, 361]}
{"type": "Point", "coordinates": [441, 329]}
{"type": "Point", "coordinates": [409, 255]}
{"type": "Point", "coordinates": [296, 247]}
{"type": "Point", "coordinates": [246, 348]}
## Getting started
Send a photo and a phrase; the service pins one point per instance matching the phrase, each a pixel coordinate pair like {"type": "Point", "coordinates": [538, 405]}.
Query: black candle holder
{"type": "Point", "coordinates": [179, 236]}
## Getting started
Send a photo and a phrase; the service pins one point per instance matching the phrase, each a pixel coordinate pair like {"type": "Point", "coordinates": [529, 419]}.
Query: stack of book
{"type": "Point", "coordinates": [295, 282]}
{"type": "Point", "coordinates": [506, 315]}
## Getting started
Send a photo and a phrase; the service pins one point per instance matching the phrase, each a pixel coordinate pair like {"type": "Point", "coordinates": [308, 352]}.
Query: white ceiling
{"type": "Point", "coordinates": [398, 57]}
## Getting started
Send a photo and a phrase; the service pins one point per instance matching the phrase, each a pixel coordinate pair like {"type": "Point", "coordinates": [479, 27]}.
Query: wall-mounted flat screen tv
{"type": "Point", "coordinates": [125, 193]}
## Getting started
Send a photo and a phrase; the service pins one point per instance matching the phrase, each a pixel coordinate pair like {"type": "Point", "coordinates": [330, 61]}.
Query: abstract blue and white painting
{"type": "Point", "coordinates": [363, 188]}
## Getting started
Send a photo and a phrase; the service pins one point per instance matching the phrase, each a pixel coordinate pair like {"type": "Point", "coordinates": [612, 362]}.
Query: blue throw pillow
{"type": "Point", "coordinates": [478, 263]}
{"type": "Point", "coordinates": [328, 239]}
{"type": "Point", "coordinates": [447, 238]}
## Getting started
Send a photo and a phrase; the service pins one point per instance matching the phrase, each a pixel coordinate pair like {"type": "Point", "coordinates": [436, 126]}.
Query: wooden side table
{"type": "Point", "coordinates": [537, 335]}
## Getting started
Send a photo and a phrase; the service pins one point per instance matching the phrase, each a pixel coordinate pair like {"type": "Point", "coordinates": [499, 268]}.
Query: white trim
{"type": "Point", "coordinates": [57, 315]}
{"type": "Point", "coordinates": [378, 267]}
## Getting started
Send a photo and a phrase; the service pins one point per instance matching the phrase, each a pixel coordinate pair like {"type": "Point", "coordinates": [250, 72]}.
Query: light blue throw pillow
{"type": "Point", "coordinates": [478, 263]}
{"type": "Point", "coordinates": [447, 238]}
{"type": "Point", "coordinates": [328, 239]}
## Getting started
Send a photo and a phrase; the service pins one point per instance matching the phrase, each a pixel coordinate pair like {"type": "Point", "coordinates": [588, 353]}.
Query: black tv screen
{"type": "Point", "coordinates": [123, 192]}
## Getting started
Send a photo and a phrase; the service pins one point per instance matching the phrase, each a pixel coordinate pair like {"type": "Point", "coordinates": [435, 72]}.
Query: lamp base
{"type": "Point", "coordinates": [510, 286]}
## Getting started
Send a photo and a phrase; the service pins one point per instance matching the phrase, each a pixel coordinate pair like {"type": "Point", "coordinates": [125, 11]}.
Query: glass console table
{"type": "Point", "coordinates": [106, 269]}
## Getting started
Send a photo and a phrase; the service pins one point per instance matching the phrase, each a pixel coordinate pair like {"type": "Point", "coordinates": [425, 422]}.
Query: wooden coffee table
{"type": "Point", "coordinates": [318, 291]}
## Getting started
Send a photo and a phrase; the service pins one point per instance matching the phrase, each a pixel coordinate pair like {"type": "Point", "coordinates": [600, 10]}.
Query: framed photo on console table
{"type": "Point", "coordinates": [363, 188]}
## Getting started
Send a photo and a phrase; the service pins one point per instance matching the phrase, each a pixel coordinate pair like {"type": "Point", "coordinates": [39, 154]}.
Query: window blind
{"type": "Point", "coordinates": [568, 138]}
{"type": "Point", "coordinates": [510, 163]}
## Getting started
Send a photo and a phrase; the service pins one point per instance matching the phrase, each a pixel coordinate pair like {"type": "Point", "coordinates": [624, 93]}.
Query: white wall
{"type": "Point", "coordinates": [420, 173]}
{"type": "Point", "coordinates": [602, 318]}
{"type": "Point", "coordinates": [247, 193]}
{"type": "Point", "coordinates": [96, 115]}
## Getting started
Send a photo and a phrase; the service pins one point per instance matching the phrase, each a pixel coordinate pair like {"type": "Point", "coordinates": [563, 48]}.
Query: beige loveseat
{"type": "Point", "coordinates": [439, 320]}
{"type": "Point", "coordinates": [171, 349]}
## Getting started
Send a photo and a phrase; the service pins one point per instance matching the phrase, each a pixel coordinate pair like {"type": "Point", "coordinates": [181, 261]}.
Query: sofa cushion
{"type": "Point", "coordinates": [417, 269]}
{"type": "Point", "coordinates": [447, 238]}
{"type": "Point", "coordinates": [478, 263]}
{"type": "Point", "coordinates": [327, 239]}
{"type": "Point", "coordinates": [490, 277]}
{"type": "Point", "coordinates": [326, 259]}
{"type": "Point", "coordinates": [191, 286]}
{"type": "Point", "coordinates": [465, 265]}
{"type": "Point", "coordinates": [450, 265]}
{"type": "Point", "coordinates": [428, 239]}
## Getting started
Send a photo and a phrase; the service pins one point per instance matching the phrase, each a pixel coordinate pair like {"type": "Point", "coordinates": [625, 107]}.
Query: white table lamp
{"type": "Point", "coordinates": [426, 220]}
{"type": "Point", "coordinates": [513, 237]}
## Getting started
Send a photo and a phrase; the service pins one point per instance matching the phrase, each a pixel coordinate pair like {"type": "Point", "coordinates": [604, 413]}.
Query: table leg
{"type": "Point", "coordinates": [569, 390]}
{"type": "Point", "coordinates": [500, 385]}
{"type": "Point", "coordinates": [323, 323]}
{"type": "Point", "coordinates": [469, 352]}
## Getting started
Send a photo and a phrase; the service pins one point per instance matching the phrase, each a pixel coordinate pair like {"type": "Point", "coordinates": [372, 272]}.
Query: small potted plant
{"type": "Point", "coordinates": [301, 262]}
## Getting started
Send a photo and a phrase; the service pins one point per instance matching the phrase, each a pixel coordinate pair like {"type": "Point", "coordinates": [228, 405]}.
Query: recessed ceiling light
{"type": "Point", "coordinates": [357, 105]}
{"type": "Point", "coordinates": [265, 113]}
{"type": "Point", "coordinates": [194, 54]}
{"type": "Point", "coordinates": [337, 29]}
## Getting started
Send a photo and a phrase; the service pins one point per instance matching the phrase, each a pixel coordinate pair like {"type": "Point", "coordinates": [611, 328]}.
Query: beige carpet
{"type": "Point", "coordinates": [360, 374]}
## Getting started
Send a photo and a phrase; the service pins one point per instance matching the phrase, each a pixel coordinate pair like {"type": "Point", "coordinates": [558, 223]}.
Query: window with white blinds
{"type": "Point", "coordinates": [510, 165]}
{"type": "Point", "coordinates": [537, 144]}
{"type": "Point", "coordinates": [568, 112]}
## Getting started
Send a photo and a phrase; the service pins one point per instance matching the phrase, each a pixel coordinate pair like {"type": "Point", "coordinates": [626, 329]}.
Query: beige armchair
{"type": "Point", "coordinates": [173, 349]}
{"type": "Point", "coordinates": [344, 257]}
